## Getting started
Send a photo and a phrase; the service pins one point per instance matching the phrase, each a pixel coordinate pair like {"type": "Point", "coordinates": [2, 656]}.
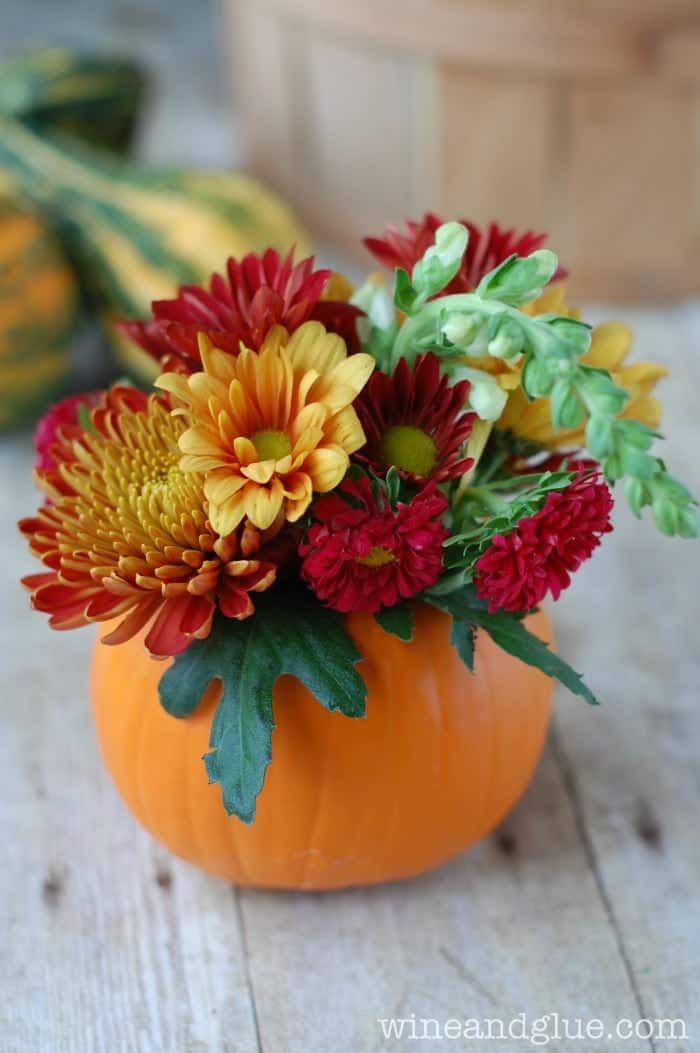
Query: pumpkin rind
{"type": "Point", "coordinates": [439, 759]}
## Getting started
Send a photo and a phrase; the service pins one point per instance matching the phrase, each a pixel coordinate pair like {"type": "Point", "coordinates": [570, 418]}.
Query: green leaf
{"type": "Point", "coordinates": [508, 631]}
{"type": "Point", "coordinates": [441, 261]}
{"type": "Point", "coordinates": [513, 637]}
{"type": "Point", "coordinates": [290, 633]}
{"type": "Point", "coordinates": [397, 620]}
{"type": "Point", "coordinates": [519, 280]}
{"type": "Point", "coordinates": [463, 639]}
{"type": "Point", "coordinates": [182, 685]}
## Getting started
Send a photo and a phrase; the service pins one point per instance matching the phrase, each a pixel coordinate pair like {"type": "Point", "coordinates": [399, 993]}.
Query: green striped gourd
{"type": "Point", "coordinates": [38, 313]}
{"type": "Point", "coordinates": [136, 233]}
{"type": "Point", "coordinates": [95, 98]}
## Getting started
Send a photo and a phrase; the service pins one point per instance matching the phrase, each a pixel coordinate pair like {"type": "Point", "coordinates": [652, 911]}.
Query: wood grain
{"type": "Point", "coordinates": [585, 902]}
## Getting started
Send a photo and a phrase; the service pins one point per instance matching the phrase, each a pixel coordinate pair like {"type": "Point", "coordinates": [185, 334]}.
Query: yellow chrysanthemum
{"type": "Point", "coordinates": [268, 428]}
{"type": "Point", "coordinates": [611, 343]}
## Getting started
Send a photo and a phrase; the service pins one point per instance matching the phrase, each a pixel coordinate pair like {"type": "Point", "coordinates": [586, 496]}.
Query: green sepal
{"type": "Point", "coordinates": [397, 620]}
{"type": "Point", "coordinates": [405, 296]}
{"type": "Point", "coordinates": [290, 633]}
{"type": "Point", "coordinates": [510, 634]}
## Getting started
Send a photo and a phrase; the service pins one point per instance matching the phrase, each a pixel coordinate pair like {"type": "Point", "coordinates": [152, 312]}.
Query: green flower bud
{"type": "Point", "coordinates": [537, 377]}
{"type": "Point", "coordinates": [689, 522]}
{"type": "Point", "coordinates": [637, 495]}
{"type": "Point", "coordinates": [508, 340]}
{"type": "Point", "coordinates": [600, 436]}
{"type": "Point", "coordinates": [601, 394]}
{"type": "Point", "coordinates": [441, 261]}
{"type": "Point", "coordinates": [637, 434]}
{"type": "Point", "coordinates": [666, 515]}
{"type": "Point", "coordinates": [486, 397]}
{"type": "Point", "coordinates": [612, 467]}
{"type": "Point", "coordinates": [575, 335]}
{"type": "Point", "coordinates": [375, 300]}
{"type": "Point", "coordinates": [461, 329]}
{"type": "Point", "coordinates": [637, 463]}
{"type": "Point", "coordinates": [566, 407]}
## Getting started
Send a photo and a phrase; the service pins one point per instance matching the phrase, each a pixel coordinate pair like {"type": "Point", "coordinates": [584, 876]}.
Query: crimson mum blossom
{"type": "Point", "coordinates": [363, 554]}
{"type": "Point", "coordinates": [257, 293]}
{"type": "Point", "coordinates": [485, 249]}
{"type": "Point", "coordinates": [519, 568]}
{"type": "Point", "coordinates": [415, 421]}
{"type": "Point", "coordinates": [60, 421]}
{"type": "Point", "coordinates": [126, 534]}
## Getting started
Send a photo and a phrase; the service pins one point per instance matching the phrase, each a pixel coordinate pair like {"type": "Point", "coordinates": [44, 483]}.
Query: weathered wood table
{"type": "Point", "coordinates": [585, 903]}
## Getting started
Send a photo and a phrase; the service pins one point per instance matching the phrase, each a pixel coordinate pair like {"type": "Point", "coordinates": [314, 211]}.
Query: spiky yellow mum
{"type": "Point", "coordinates": [269, 428]}
{"type": "Point", "coordinates": [127, 535]}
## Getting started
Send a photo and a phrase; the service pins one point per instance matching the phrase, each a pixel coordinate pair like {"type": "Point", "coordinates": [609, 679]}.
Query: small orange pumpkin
{"type": "Point", "coordinates": [439, 759]}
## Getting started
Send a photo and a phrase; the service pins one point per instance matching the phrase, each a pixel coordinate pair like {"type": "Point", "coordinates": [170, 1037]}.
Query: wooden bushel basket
{"type": "Point", "coordinates": [578, 118]}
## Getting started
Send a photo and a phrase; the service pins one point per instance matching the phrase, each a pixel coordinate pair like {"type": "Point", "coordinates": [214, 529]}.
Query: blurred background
{"type": "Point", "coordinates": [121, 148]}
{"type": "Point", "coordinates": [186, 116]}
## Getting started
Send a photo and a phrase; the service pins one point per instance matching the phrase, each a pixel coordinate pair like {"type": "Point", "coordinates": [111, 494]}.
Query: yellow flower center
{"type": "Point", "coordinates": [378, 557]}
{"type": "Point", "coordinates": [271, 445]}
{"type": "Point", "coordinates": [409, 448]}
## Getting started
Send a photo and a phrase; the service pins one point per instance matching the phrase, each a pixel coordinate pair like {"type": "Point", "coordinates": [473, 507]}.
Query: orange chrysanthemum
{"type": "Point", "coordinates": [127, 533]}
{"type": "Point", "coordinates": [267, 429]}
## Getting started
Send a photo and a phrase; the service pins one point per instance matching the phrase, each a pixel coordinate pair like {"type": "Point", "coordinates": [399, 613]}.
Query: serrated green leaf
{"type": "Point", "coordinates": [182, 685]}
{"type": "Point", "coordinates": [510, 634]}
{"type": "Point", "coordinates": [514, 638]}
{"type": "Point", "coordinates": [397, 620]}
{"type": "Point", "coordinates": [290, 633]}
{"type": "Point", "coordinates": [463, 639]}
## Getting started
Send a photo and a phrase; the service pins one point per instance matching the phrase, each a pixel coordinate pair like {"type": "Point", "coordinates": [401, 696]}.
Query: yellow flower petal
{"type": "Point", "coordinates": [344, 429]}
{"type": "Point", "coordinates": [297, 388]}
{"type": "Point", "coordinates": [260, 472]}
{"type": "Point", "coordinates": [326, 467]}
{"type": "Point", "coordinates": [262, 503]}
{"type": "Point", "coordinates": [610, 345]}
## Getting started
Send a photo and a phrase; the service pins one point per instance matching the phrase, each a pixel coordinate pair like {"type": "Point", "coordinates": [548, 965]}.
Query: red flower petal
{"type": "Point", "coordinates": [518, 569]}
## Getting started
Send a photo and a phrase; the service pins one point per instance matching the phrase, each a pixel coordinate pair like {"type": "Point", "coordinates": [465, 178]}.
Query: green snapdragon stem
{"type": "Point", "coordinates": [418, 326]}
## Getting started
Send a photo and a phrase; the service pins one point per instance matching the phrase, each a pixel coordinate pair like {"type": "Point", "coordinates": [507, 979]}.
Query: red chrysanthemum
{"type": "Point", "coordinates": [127, 534]}
{"type": "Point", "coordinates": [518, 570]}
{"type": "Point", "coordinates": [257, 293]}
{"type": "Point", "coordinates": [416, 422]}
{"type": "Point", "coordinates": [485, 249]}
{"type": "Point", "coordinates": [60, 422]}
{"type": "Point", "coordinates": [366, 554]}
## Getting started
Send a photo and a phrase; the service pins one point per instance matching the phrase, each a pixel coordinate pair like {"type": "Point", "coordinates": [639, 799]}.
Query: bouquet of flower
{"type": "Point", "coordinates": [314, 451]}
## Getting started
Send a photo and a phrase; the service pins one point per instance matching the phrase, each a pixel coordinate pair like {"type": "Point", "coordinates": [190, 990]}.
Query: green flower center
{"type": "Point", "coordinates": [409, 448]}
{"type": "Point", "coordinates": [378, 557]}
{"type": "Point", "coordinates": [270, 444]}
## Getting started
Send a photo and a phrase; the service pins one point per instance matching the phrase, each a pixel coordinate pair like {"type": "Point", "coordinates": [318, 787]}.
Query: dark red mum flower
{"type": "Point", "coordinates": [61, 421]}
{"type": "Point", "coordinates": [364, 555]}
{"type": "Point", "coordinates": [538, 557]}
{"type": "Point", "coordinates": [257, 293]}
{"type": "Point", "coordinates": [415, 421]}
{"type": "Point", "coordinates": [485, 250]}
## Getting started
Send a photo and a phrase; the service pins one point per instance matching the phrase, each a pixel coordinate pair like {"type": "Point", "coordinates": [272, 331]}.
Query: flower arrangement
{"type": "Point", "coordinates": [312, 451]}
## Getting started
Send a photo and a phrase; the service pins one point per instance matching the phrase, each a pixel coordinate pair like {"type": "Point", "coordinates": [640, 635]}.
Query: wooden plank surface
{"type": "Point", "coordinates": [585, 903]}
